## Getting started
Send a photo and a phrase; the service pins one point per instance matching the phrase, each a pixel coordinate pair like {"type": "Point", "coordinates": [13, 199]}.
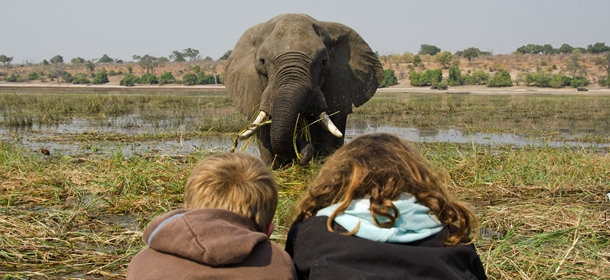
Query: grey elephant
{"type": "Point", "coordinates": [301, 75]}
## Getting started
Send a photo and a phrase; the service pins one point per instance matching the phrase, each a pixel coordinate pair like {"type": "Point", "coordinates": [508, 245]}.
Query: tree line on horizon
{"type": "Point", "coordinates": [430, 77]}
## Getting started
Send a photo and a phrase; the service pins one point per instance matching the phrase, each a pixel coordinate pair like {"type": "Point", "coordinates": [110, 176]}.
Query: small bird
{"type": "Point", "coordinates": [45, 152]}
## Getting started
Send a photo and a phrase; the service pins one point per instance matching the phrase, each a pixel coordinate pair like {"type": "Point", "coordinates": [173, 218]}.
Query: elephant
{"type": "Point", "coordinates": [301, 75]}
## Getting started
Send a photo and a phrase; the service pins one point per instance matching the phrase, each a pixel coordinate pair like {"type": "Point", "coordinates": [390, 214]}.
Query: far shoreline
{"type": "Point", "coordinates": [400, 88]}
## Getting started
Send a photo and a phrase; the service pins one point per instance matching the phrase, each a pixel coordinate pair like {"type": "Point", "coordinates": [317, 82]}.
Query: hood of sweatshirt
{"type": "Point", "coordinates": [212, 237]}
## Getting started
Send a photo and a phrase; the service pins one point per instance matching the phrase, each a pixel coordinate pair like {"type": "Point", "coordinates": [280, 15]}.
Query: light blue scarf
{"type": "Point", "coordinates": [413, 223]}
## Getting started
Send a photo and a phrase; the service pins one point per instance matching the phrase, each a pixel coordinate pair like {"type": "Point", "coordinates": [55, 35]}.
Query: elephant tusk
{"type": "Point", "coordinates": [255, 125]}
{"type": "Point", "coordinates": [329, 125]}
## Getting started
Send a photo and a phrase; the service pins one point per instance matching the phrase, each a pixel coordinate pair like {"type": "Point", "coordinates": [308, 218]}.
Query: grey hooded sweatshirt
{"type": "Point", "coordinates": [208, 244]}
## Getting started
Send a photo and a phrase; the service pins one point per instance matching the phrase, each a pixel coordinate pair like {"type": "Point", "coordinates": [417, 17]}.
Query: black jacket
{"type": "Point", "coordinates": [320, 254]}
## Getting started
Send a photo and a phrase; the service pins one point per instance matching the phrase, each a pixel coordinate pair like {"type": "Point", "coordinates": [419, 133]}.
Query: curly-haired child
{"type": "Point", "coordinates": [378, 210]}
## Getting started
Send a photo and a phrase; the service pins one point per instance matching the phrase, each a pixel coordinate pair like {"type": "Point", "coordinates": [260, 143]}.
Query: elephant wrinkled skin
{"type": "Point", "coordinates": [297, 71]}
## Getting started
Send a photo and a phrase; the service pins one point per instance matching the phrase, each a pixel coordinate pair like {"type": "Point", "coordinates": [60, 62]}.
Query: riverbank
{"type": "Point", "coordinates": [403, 87]}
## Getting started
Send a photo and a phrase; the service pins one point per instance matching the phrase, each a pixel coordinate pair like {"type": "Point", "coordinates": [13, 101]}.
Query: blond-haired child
{"type": "Point", "coordinates": [222, 232]}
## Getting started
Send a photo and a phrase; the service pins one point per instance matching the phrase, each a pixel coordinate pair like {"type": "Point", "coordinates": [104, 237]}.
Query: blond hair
{"type": "Point", "coordinates": [236, 182]}
{"type": "Point", "coordinates": [380, 167]}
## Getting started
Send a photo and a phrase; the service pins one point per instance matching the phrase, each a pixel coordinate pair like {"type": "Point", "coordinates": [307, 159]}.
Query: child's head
{"type": "Point", "coordinates": [236, 182]}
{"type": "Point", "coordinates": [380, 167]}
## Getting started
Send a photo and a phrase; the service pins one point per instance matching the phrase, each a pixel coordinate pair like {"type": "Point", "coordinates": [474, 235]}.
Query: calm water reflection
{"type": "Point", "coordinates": [38, 137]}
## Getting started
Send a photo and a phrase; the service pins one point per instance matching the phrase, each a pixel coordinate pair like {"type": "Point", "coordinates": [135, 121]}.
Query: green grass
{"type": "Point", "coordinates": [83, 215]}
{"type": "Point", "coordinates": [64, 216]}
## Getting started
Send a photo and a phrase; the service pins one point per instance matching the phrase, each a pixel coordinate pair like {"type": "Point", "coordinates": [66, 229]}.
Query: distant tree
{"type": "Point", "coordinates": [557, 81]}
{"type": "Point", "coordinates": [207, 58]}
{"type": "Point", "coordinates": [45, 62]}
{"type": "Point", "coordinates": [444, 59]}
{"type": "Point", "coordinates": [14, 78]}
{"type": "Point", "coordinates": [479, 77]}
{"type": "Point", "coordinates": [500, 79]}
{"type": "Point", "coordinates": [573, 66]}
{"type": "Point", "coordinates": [547, 49]}
{"type": "Point", "coordinates": [455, 76]}
{"type": "Point", "coordinates": [129, 80]}
{"type": "Point", "coordinates": [604, 63]}
{"type": "Point", "coordinates": [579, 82]}
{"type": "Point", "coordinates": [57, 59]}
{"type": "Point", "coordinates": [580, 49]}
{"type": "Point", "coordinates": [177, 56]}
{"type": "Point", "coordinates": [166, 78]}
{"type": "Point", "coordinates": [540, 79]}
{"type": "Point", "coordinates": [148, 62]}
{"type": "Point", "coordinates": [417, 60]}
{"type": "Point", "coordinates": [33, 76]}
{"type": "Point", "coordinates": [77, 60]}
{"type": "Point", "coordinates": [565, 48]}
{"type": "Point", "coordinates": [226, 55]}
{"type": "Point", "coordinates": [192, 54]}
{"type": "Point", "coordinates": [598, 47]}
{"type": "Point", "coordinates": [190, 79]}
{"type": "Point", "coordinates": [90, 66]}
{"type": "Point", "coordinates": [6, 61]}
{"type": "Point", "coordinates": [471, 53]}
{"type": "Point", "coordinates": [149, 79]}
{"type": "Point", "coordinates": [80, 78]}
{"type": "Point", "coordinates": [531, 49]}
{"type": "Point", "coordinates": [101, 77]}
{"type": "Point", "coordinates": [428, 49]}
{"type": "Point", "coordinates": [105, 59]}
{"type": "Point", "coordinates": [389, 78]}
{"type": "Point", "coordinates": [427, 78]}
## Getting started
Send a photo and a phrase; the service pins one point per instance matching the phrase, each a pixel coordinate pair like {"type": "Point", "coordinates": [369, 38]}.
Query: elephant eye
{"type": "Point", "coordinates": [262, 60]}
{"type": "Point", "coordinates": [323, 61]}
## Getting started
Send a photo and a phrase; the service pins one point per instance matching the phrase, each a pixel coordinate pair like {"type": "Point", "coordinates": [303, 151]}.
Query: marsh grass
{"type": "Point", "coordinates": [548, 116]}
{"type": "Point", "coordinates": [543, 210]}
{"type": "Point", "coordinates": [68, 217]}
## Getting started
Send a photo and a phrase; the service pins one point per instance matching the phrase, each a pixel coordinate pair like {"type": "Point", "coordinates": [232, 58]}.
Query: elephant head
{"type": "Point", "coordinates": [297, 71]}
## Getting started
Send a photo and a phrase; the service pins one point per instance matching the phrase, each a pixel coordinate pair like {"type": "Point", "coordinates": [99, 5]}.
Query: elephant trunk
{"type": "Point", "coordinates": [286, 113]}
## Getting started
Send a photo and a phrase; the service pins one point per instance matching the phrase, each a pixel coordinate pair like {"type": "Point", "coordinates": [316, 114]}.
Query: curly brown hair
{"type": "Point", "coordinates": [380, 167]}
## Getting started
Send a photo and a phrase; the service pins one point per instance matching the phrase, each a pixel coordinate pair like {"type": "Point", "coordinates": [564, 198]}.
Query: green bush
{"type": "Point", "coordinates": [539, 79]}
{"type": "Point", "coordinates": [208, 79]}
{"type": "Point", "coordinates": [455, 76]}
{"type": "Point", "coordinates": [101, 77]}
{"type": "Point", "coordinates": [14, 78]}
{"type": "Point", "coordinates": [559, 81]}
{"type": "Point", "coordinates": [129, 80]}
{"type": "Point", "coordinates": [33, 76]}
{"type": "Point", "coordinates": [440, 85]}
{"type": "Point", "coordinates": [389, 78]}
{"type": "Point", "coordinates": [67, 77]}
{"type": "Point", "coordinates": [427, 78]}
{"type": "Point", "coordinates": [500, 79]}
{"type": "Point", "coordinates": [479, 77]}
{"type": "Point", "coordinates": [190, 79]}
{"type": "Point", "coordinates": [150, 79]}
{"type": "Point", "coordinates": [80, 78]}
{"type": "Point", "coordinates": [579, 82]}
{"type": "Point", "coordinates": [166, 78]}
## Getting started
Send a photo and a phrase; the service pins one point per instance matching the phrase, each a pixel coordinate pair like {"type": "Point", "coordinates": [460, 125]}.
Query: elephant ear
{"type": "Point", "coordinates": [241, 79]}
{"type": "Point", "coordinates": [355, 70]}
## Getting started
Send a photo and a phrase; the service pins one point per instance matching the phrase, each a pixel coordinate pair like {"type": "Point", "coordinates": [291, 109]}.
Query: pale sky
{"type": "Point", "coordinates": [34, 30]}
